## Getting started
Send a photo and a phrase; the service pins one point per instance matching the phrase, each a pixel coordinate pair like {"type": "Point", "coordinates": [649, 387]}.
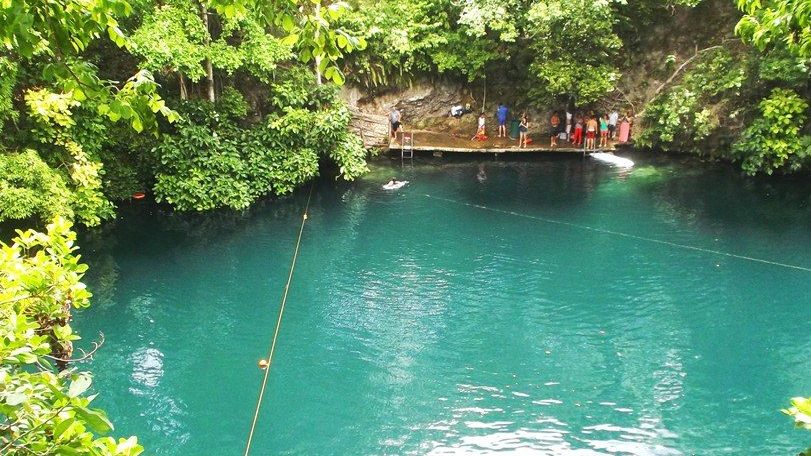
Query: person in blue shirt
{"type": "Point", "coordinates": [501, 115]}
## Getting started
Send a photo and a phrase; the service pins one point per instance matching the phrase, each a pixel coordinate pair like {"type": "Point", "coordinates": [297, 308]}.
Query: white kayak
{"type": "Point", "coordinates": [395, 185]}
{"type": "Point", "coordinates": [612, 159]}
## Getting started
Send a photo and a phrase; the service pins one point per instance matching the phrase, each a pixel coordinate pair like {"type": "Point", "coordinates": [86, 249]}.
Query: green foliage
{"type": "Point", "coordinates": [129, 164]}
{"type": "Point", "coordinates": [318, 40]}
{"type": "Point", "coordinates": [89, 203]}
{"type": "Point", "coordinates": [776, 24]}
{"type": "Point", "coordinates": [800, 410]}
{"type": "Point", "coordinates": [261, 52]}
{"type": "Point", "coordinates": [294, 90]}
{"type": "Point", "coordinates": [30, 188]}
{"type": "Point", "coordinates": [573, 51]}
{"type": "Point", "coordinates": [8, 80]}
{"type": "Point", "coordinates": [438, 37]}
{"type": "Point", "coordinates": [43, 411]}
{"type": "Point", "coordinates": [59, 27]}
{"type": "Point", "coordinates": [718, 92]}
{"type": "Point", "coordinates": [211, 161]}
{"type": "Point", "coordinates": [774, 141]}
{"type": "Point", "coordinates": [688, 114]}
{"type": "Point", "coordinates": [779, 66]}
{"type": "Point", "coordinates": [53, 115]}
{"type": "Point", "coordinates": [482, 16]}
{"type": "Point", "coordinates": [587, 83]}
{"type": "Point", "coordinates": [465, 55]}
{"type": "Point", "coordinates": [349, 154]}
{"type": "Point", "coordinates": [396, 48]}
{"type": "Point", "coordinates": [60, 30]}
{"type": "Point", "coordinates": [174, 39]}
{"type": "Point", "coordinates": [720, 106]}
{"type": "Point", "coordinates": [718, 74]}
{"type": "Point", "coordinates": [171, 39]}
{"type": "Point", "coordinates": [676, 118]}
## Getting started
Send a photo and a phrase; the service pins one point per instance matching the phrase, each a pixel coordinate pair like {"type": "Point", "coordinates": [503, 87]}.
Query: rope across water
{"type": "Point", "coordinates": [272, 348]}
{"type": "Point", "coordinates": [625, 235]}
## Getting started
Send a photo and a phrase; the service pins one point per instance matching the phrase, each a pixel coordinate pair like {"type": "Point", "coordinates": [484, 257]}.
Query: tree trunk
{"type": "Point", "coordinates": [209, 66]}
{"type": "Point", "coordinates": [484, 95]}
{"type": "Point", "coordinates": [184, 94]}
{"type": "Point", "coordinates": [210, 80]}
{"type": "Point", "coordinates": [318, 58]}
{"type": "Point", "coordinates": [318, 71]}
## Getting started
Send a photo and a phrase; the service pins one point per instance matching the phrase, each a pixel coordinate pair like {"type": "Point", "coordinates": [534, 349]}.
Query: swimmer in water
{"type": "Point", "coordinates": [394, 184]}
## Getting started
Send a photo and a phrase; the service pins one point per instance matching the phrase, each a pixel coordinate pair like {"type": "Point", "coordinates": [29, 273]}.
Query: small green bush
{"type": "Point", "coordinates": [211, 161]}
{"type": "Point", "coordinates": [30, 188]}
{"type": "Point", "coordinates": [774, 140]}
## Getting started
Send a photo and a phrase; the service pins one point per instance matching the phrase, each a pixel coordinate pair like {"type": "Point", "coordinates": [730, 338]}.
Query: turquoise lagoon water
{"type": "Point", "coordinates": [466, 316]}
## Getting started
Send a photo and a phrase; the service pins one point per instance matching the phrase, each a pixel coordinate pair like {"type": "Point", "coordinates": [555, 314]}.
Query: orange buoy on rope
{"type": "Point", "coordinates": [138, 195]}
{"type": "Point", "coordinates": [263, 364]}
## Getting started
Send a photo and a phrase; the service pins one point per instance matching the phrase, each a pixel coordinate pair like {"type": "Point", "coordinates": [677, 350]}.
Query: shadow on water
{"type": "Point", "coordinates": [719, 193]}
{"type": "Point", "coordinates": [544, 182]}
{"type": "Point", "coordinates": [147, 230]}
{"type": "Point", "coordinates": [685, 186]}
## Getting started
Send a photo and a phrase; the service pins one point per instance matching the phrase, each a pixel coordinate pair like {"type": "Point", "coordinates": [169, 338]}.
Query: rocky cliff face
{"type": "Point", "coordinates": [419, 101]}
{"type": "Point", "coordinates": [422, 105]}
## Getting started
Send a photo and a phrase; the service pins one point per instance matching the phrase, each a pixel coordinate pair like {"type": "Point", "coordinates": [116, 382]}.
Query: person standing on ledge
{"type": "Point", "coordinates": [577, 139]}
{"type": "Point", "coordinates": [501, 115]}
{"type": "Point", "coordinates": [591, 132]}
{"type": "Point", "coordinates": [625, 129]}
{"type": "Point", "coordinates": [481, 132]}
{"type": "Point", "coordinates": [523, 128]}
{"type": "Point", "coordinates": [568, 124]}
{"type": "Point", "coordinates": [604, 131]}
{"type": "Point", "coordinates": [553, 131]}
{"type": "Point", "coordinates": [394, 120]}
{"type": "Point", "coordinates": [613, 118]}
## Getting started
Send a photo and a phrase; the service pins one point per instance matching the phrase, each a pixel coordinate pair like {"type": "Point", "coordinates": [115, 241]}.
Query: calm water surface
{"type": "Point", "coordinates": [466, 316]}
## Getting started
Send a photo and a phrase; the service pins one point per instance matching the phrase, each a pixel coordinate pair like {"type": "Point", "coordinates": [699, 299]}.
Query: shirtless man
{"type": "Point", "coordinates": [591, 132]}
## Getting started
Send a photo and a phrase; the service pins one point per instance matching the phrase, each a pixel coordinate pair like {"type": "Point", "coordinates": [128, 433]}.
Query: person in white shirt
{"type": "Point", "coordinates": [568, 125]}
{"type": "Point", "coordinates": [481, 133]}
{"type": "Point", "coordinates": [612, 123]}
{"type": "Point", "coordinates": [394, 121]}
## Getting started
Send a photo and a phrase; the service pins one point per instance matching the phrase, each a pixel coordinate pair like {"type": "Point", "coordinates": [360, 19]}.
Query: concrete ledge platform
{"type": "Point", "coordinates": [498, 150]}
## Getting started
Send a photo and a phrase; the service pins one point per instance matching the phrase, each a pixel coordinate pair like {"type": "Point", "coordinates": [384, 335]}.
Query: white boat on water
{"type": "Point", "coordinates": [612, 159]}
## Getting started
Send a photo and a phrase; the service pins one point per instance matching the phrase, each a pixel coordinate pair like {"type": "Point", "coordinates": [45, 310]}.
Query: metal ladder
{"type": "Point", "coordinates": [407, 146]}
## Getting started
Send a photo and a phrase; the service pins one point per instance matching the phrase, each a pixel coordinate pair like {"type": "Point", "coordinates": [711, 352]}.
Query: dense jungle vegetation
{"type": "Point", "coordinates": [216, 103]}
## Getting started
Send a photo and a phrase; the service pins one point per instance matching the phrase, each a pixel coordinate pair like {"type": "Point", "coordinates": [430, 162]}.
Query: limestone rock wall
{"type": "Point", "coordinates": [421, 104]}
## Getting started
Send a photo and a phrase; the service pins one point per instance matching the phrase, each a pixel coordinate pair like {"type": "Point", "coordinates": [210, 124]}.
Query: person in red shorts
{"type": "Point", "coordinates": [591, 132]}
{"type": "Point", "coordinates": [577, 138]}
